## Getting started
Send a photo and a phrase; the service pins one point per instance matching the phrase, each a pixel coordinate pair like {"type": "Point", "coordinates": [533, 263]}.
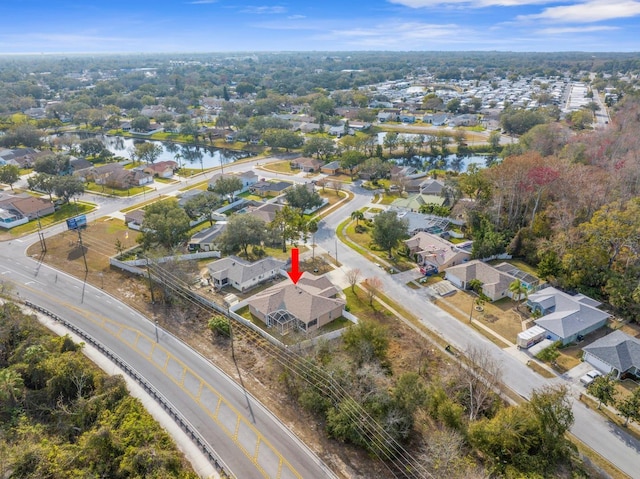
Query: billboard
{"type": "Point", "coordinates": [79, 222]}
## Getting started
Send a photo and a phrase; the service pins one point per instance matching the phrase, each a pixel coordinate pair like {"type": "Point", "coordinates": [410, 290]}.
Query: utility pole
{"type": "Point", "coordinates": [84, 256]}
{"type": "Point", "coordinates": [43, 244]}
{"type": "Point", "coordinates": [153, 301]}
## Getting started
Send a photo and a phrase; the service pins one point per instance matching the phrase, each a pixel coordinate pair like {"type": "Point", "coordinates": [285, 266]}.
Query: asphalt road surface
{"type": "Point", "coordinates": [216, 405]}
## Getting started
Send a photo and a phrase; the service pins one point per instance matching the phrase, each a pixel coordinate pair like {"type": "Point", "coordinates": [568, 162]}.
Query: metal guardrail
{"type": "Point", "coordinates": [176, 415]}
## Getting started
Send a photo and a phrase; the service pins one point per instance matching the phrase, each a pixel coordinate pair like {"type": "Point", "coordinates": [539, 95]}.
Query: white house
{"type": "Point", "coordinates": [242, 275]}
{"type": "Point", "coordinates": [248, 179]}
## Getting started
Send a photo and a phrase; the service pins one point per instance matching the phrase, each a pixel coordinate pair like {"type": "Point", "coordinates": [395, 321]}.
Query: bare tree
{"type": "Point", "coordinates": [481, 376]}
{"type": "Point", "coordinates": [400, 181]}
{"type": "Point", "coordinates": [336, 186]}
{"type": "Point", "coordinates": [353, 275]}
{"type": "Point", "coordinates": [373, 287]}
{"type": "Point", "coordinates": [442, 451]}
{"type": "Point", "coordinates": [80, 380]}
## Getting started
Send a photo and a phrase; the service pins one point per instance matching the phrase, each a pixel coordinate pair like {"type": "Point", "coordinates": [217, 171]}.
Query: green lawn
{"type": "Point", "coordinates": [136, 190]}
{"type": "Point", "coordinates": [359, 305]}
{"type": "Point", "coordinates": [187, 172]}
{"type": "Point", "coordinates": [387, 199]}
{"type": "Point", "coordinates": [143, 204]}
{"type": "Point", "coordinates": [364, 241]}
{"type": "Point", "coordinates": [168, 181]}
{"type": "Point", "coordinates": [280, 167]}
{"type": "Point", "coordinates": [199, 227]}
{"type": "Point", "coordinates": [66, 211]}
{"type": "Point", "coordinates": [247, 195]}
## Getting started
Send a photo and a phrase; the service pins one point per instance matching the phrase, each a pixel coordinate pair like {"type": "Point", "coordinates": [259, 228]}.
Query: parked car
{"type": "Point", "coordinates": [589, 377]}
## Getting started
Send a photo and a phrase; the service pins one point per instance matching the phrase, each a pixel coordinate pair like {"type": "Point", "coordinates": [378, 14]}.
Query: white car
{"type": "Point", "coordinates": [589, 377]}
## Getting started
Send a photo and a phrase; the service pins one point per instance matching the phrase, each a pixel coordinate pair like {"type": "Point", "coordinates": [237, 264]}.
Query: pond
{"type": "Point", "coordinates": [187, 156]}
{"type": "Point", "coordinates": [450, 162]}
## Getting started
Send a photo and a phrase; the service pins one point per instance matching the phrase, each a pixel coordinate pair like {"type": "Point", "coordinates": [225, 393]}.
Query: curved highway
{"type": "Point", "coordinates": [251, 441]}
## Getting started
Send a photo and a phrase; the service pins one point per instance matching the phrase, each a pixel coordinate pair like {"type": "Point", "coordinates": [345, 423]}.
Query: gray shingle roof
{"type": "Point", "coordinates": [572, 315]}
{"type": "Point", "coordinates": [209, 234]}
{"type": "Point", "coordinates": [617, 349]}
{"type": "Point", "coordinates": [239, 271]}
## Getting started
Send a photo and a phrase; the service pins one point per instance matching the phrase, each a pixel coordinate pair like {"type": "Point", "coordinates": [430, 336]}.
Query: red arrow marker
{"type": "Point", "coordinates": [295, 272]}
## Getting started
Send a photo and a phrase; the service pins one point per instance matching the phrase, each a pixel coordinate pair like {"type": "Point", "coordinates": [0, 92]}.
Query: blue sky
{"type": "Point", "coordinates": [48, 26]}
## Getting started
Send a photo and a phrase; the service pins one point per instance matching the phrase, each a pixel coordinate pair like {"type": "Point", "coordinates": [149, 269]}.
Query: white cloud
{"type": "Point", "coordinates": [262, 10]}
{"type": "Point", "coordinates": [202, 2]}
{"type": "Point", "coordinates": [395, 35]}
{"type": "Point", "coordinates": [590, 11]}
{"type": "Point", "coordinates": [563, 30]}
{"type": "Point", "coordinates": [296, 17]}
{"type": "Point", "coordinates": [469, 3]}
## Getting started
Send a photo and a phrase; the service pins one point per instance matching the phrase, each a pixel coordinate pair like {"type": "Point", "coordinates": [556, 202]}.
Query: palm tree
{"type": "Point", "coordinates": [357, 215]}
{"type": "Point", "coordinates": [519, 291]}
{"type": "Point", "coordinates": [11, 385]}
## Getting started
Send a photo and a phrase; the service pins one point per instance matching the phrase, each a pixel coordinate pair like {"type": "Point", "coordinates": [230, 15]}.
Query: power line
{"type": "Point", "coordinates": [384, 446]}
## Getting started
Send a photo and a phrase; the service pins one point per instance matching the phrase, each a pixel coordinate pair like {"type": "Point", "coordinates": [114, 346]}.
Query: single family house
{"type": "Point", "coordinates": [430, 249]}
{"type": "Point", "coordinates": [134, 218]}
{"type": "Point", "coordinates": [306, 164]}
{"type": "Point", "coordinates": [495, 283]}
{"type": "Point", "coordinates": [415, 201]}
{"type": "Point", "coordinates": [205, 240]}
{"type": "Point", "coordinates": [161, 169]}
{"type": "Point", "coordinates": [306, 306]}
{"type": "Point", "coordinates": [270, 188]}
{"type": "Point", "coordinates": [26, 206]}
{"type": "Point", "coordinates": [242, 275]}
{"type": "Point", "coordinates": [332, 168]}
{"type": "Point", "coordinates": [566, 317]}
{"type": "Point", "coordinates": [617, 354]}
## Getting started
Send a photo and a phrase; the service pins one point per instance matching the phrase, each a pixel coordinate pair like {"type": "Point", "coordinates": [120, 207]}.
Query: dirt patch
{"type": "Point", "coordinates": [503, 320]}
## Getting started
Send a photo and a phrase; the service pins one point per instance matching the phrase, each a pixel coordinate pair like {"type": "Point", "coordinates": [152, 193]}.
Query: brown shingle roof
{"type": "Point", "coordinates": [31, 205]}
{"type": "Point", "coordinates": [307, 300]}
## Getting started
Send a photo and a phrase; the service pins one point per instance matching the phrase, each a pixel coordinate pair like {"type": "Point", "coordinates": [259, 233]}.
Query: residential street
{"type": "Point", "coordinates": [590, 427]}
{"type": "Point", "coordinates": [184, 380]}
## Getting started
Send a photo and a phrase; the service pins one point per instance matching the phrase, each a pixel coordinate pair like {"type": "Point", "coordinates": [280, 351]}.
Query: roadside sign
{"type": "Point", "coordinates": [79, 222]}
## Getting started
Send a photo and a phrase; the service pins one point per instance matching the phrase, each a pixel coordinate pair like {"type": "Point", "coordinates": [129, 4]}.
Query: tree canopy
{"type": "Point", "coordinates": [303, 197]}
{"type": "Point", "coordinates": [227, 185]}
{"type": "Point", "coordinates": [165, 223]}
{"type": "Point", "coordinates": [9, 174]}
{"type": "Point", "coordinates": [241, 232]}
{"type": "Point", "coordinates": [388, 230]}
{"type": "Point", "coordinates": [62, 417]}
{"type": "Point", "coordinates": [203, 204]}
{"type": "Point", "coordinates": [147, 151]}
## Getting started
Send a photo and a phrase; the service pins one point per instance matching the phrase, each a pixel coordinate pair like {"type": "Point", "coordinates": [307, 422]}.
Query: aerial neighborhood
{"type": "Point", "coordinates": [410, 263]}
